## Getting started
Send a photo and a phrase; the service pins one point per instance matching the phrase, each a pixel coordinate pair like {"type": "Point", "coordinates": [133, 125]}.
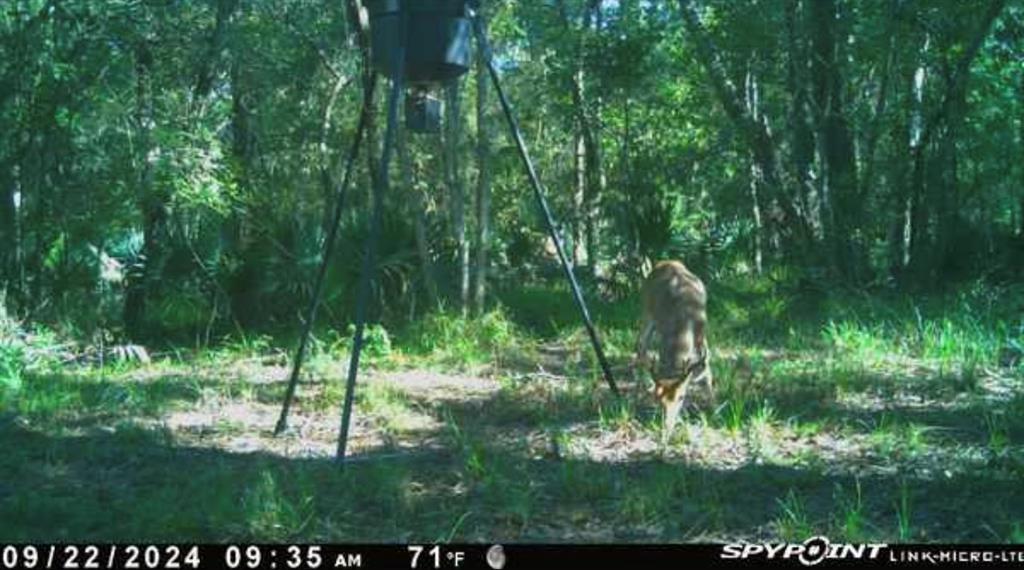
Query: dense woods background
{"type": "Point", "coordinates": [847, 177]}
{"type": "Point", "coordinates": [166, 167]}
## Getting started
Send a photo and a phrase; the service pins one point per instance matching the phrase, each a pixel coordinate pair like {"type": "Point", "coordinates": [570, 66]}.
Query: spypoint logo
{"type": "Point", "coordinates": [811, 552]}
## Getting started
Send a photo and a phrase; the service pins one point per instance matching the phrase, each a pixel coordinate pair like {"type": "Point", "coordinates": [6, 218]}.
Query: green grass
{"type": "Point", "coordinates": [904, 528]}
{"type": "Point", "coordinates": [998, 433]}
{"type": "Point", "coordinates": [851, 519]}
{"type": "Point", "coordinates": [892, 436]}
{"type": "Point", "coordinates": [618, 416]}
{"type": "Point", "coordinates": [12, 365]}
{"type": "Point", "coordinates": [52, 397]}
{"type": "Point", "coordinates": [1017, 533]}
{"type": "Point", "coordinates": [392, 408]}
{"type": "Point", "coordinates": [887, 419]}
{"type": "Point", "coordinates": [451, 340]}
{"type": "Point", "coordinates": [793, 522]}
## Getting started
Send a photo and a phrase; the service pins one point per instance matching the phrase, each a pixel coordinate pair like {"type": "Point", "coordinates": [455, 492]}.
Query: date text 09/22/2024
{"type": "Point", "coordinates": [174, 557]}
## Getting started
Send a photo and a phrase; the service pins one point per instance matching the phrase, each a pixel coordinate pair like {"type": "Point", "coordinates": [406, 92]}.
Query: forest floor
{"type": "Point", "coordinates": [526, 445]}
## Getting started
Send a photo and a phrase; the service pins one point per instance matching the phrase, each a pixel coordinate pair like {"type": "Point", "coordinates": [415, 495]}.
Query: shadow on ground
{"type": "Point", "coordinates": [137, 484]}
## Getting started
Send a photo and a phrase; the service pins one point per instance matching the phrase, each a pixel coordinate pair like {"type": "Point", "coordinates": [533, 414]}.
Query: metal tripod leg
{"type": "Point", "coordinates": [538, 193]}
{"type": "Point", "coordinates": [380, 187]}
{"type": "Point", "coordinates": [339, 206]}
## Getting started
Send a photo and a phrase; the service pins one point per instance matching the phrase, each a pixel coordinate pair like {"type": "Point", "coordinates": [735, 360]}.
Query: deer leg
{"type": "Point", "coordinates": [643, 342]}
{"type": "Point", "coordinates": [672, 407]}
{"type": "Point", "coordinates": [700, 343]}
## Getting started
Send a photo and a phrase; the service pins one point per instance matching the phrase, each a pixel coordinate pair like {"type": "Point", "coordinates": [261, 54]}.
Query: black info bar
{"type": "Point", "coordinates": [816, 551]}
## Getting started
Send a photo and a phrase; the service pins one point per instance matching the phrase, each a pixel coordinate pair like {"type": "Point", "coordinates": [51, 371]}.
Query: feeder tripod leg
{"type": "Point", "coordinates": [380, 187]}
{"type": "Point", "coordinates": [538, 193]}
{"type": "Point", "coordinates": [332, 234]}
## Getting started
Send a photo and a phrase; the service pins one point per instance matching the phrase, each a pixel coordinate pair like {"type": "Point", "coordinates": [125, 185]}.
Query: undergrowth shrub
{"type": "Point", "coordinates": [453, 337]}
{"type": "Point", "coordinates": [22, 352]}
{"type": "Point", "coordinates": [12, 357]}
{"type": "Point", "coordinates": [978, 326]}
{"type": "Point", "coordinates": [12, 365]}
{"type": "Point", "coordinates": [376, 341]}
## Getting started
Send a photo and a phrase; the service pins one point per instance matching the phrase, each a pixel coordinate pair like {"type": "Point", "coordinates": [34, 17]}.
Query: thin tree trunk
{"type": "Point", "coordinates": [1020, 220]}
{"type": "Point", "coordinates": [483, 184]}
{"type": "Point", "coordinates": [596, 183]}
{"type": "Point", "coordinates": [1020, 103]}
{"type": "Point", "coordinates": [912, 222]}
{"type": "Point", "coordinates": [327, 178]}
{"type": "Point", "coordinates": [457, 190]}
{"type": "Point", "coordinates": [597, 177]}
{"type": "Point", "coordinates": [838, 170]}
{"type": "Point", "coordinates": [151, 207]}
{"type": "Point", "coordinates": [945, 193]}
{"type": "Point", "coordinates": [578, 199]}
{"type": "Point", "coordinates": [874, 128]}
{"type": "Point", "coordinates": [802, 138]}
{"type": "Point", "coordinates": [419, 213]}
{"type": "Point", "coordinates": [235, 230]}
{"type": "Point", "coordinates": [8, 237]}
{"type": "Point", "coordinates": [591, 178]}
{"type": "Point", "coordinates": [756, 175]}
{"type": "Point", "coordinates": [218, 40]}
{"type": "Point", "coordinates": [18, 198]}
{"type": "Point", "coordinates": [358, 19]}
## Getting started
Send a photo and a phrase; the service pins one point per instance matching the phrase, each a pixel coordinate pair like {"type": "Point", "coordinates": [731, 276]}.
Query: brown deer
{"type": "Point", "coordinates": [674, 307]}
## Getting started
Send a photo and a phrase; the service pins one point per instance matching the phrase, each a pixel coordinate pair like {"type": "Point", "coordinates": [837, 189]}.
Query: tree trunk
{"type": "Point", "coordinates": [218, 40]}
{"type": "Point", "coordinates": [597, 181]}
{"type": "Point", "coordinates": [952, 114]}
{"type": "Point", "coordinates": [945, 194]}
{"type": "Point", "coordinates": [151, 206]}
{"type": "Point", "coordinates": [456, 189]}
{"type": "Point", "coordinates": [234, 233]}
{"type": "Point", "coordinates": [419, 213]}
{"type": "Point", "coordinates": [838, 168]}
{"type": "Point", "coordinates": [754, 133]}
{"type": "Point", "coordinates": [329, 181]}
{"type": "Point", "coordinates": [1020, 102]}
{"type": "Point", "coordinates": [874, 128]}
{"type": "Point", "coordinates": [802, 138]}
{"type": "Point", "coordinates": [483, 184]}
{"type": "Point", "coordinates": [756, 175]}
{"type": "Point", "coordinates": [8, 237]}
{"type": "Point", "coordinates": [591, 177]}
{"type": "Point", "coordinates": [578, 199]}
{"type": "Point", "coordinates": [945, 120]}
{"type": "Point", "coordinates": [912, 212]}
{"type": "Point", "coordinates": [360, 35]}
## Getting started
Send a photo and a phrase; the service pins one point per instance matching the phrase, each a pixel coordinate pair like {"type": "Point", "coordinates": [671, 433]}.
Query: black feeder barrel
{"type": "Point", "coordinates": [422, 113]}
{"type": "Point", "coordinates": [438, 43]}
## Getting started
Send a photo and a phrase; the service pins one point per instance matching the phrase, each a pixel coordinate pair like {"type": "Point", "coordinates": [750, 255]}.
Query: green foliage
{"type": "Point", "coordinates": [968, 333]}
{"type": "Point", "coordinates": [12, 366]}
{"type": "Point", "coordinates": [205, 177]}
{"type": "Point", "coordinates": [378, 343]}
{"type": "Point", "coordinates": [271, 513]}
{"type": "Point", "coordinates": [457, 340]}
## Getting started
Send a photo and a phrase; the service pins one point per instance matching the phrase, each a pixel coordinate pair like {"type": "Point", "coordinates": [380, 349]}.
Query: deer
{"type": "Point", "coordinates": [674, 305]}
